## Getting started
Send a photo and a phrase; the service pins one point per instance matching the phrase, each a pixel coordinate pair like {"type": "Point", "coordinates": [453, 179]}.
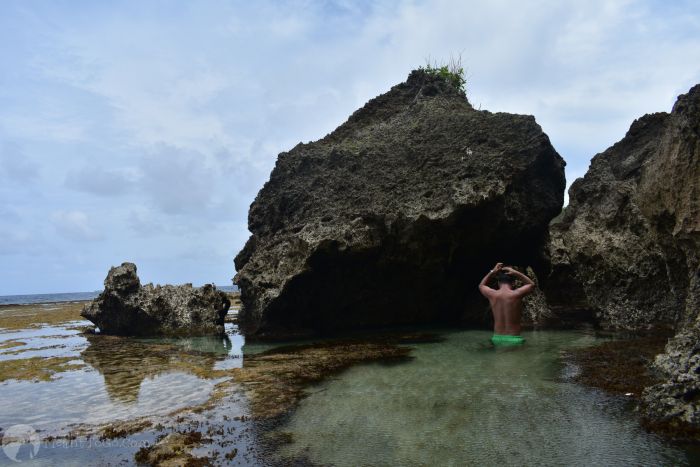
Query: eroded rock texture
{"type": "Point", "coordinates": [127, 308]}
{"type": "Point", "coordinates": [676, 400]}
{"type": "Point", "coordinates": [396, 215]}
{"type": "Point", "coordinates": [627, 246]}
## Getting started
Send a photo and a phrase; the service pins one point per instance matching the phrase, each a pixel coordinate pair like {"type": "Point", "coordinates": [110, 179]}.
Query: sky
{"type": "Point", "coordinates": [142, 130]}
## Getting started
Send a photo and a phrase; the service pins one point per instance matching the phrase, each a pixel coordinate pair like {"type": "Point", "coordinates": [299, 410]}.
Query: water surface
{"type": "Point", "coordinates": [457, 402]}
{"type": "Point", "coordinates": [114, 379]}
{"type": "Point", "coordinates": [463, 402]}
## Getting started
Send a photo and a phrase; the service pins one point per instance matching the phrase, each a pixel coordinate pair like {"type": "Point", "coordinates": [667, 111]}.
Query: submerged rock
{"type": "Point", "coordinates": [127, 308]}
{"type": "Point", "coordinates": [396, 215]}
{"type": "Point", "coordinates": [628, 245]}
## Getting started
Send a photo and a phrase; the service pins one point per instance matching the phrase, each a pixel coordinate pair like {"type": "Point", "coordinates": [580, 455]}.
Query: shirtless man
{"type": "Point", "coordinates": [506, 303]}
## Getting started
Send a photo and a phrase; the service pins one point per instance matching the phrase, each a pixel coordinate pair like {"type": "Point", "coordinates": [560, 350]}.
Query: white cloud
{"type": "Point", "coordinates": [163, 122]}
{"type": "Point", "coordinates": [75, 225]}
{"type": "Point", "coordinates": [17, 241]}
{"type": "Point", "coordinates": [180, 181]}
{"type": "Point", "coordinates": [103, 181]}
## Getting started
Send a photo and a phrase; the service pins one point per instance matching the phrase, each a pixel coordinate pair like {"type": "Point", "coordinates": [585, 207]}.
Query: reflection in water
{"type": "Point", "coordinates": [125, 363]}
{"type": "Point", "coordinates": [205, 344]}
{"type": "Point", "coordinates": [123, 377]}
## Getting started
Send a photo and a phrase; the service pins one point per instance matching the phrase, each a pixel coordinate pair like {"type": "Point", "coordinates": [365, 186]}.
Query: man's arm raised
{"type": "Point", "coordinates": [529, 283]}
{"type": "Point", "coordinates": [485, 289]}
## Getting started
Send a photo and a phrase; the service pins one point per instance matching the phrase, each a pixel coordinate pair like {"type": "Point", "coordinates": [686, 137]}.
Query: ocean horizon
{"type": "Point", "coordinates": [30, 299]}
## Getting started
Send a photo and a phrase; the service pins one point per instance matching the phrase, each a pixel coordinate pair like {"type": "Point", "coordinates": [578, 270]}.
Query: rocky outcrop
{"type": "Point", "coordinates": [628, 248]}
{"type": "Point", "coordinates": [676, 400]}
{"type": "Point", "coordinates": [396, 215]}
{"type": "Point", "coordinates": [127, 308]}
{"type": "Point", "coordinates": [628, 244]}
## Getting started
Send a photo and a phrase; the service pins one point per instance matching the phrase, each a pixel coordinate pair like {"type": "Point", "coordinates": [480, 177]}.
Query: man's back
{"type": "Point", "coordinates": [506, 306]}
{"type": "Point", "coordinates": [506, 302]}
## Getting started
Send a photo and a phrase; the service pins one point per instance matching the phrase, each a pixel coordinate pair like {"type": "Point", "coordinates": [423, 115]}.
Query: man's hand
{"type": "Point", "coordinates": [529, 284]}
{"type": "Point", "coordinates": [486, 291]}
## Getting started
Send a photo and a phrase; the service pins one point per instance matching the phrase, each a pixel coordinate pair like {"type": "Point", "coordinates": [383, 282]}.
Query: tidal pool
{"type": "Point", "coordinates": [101, 379]}
{"type": "Point", "coordinates": [464, 402]}
{"type": "Point", "coordinates": [456, 401]}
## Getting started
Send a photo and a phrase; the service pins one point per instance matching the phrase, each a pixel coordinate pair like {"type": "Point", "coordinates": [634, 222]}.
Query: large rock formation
{"type": "Point", "coordinates": [396, 215]}
{"type": "Point", "coordinates": [127, 308]}
{"type": "Point", "coordinates": [628, 248]}
{"type": "Point", "coordinates": [628, 244]}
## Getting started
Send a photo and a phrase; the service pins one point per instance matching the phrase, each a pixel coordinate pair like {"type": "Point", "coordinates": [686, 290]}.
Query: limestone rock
{"type": "Point", "coordinates": [396, 215]}
{"type": "Point", "coordinates": [628, 244]}
{"type": "Point", "coordinates": [677, 398]}
{"type": "Point", "coordinates": [628, 247]}
{"type": "Point", "coordinates": [127, 308]}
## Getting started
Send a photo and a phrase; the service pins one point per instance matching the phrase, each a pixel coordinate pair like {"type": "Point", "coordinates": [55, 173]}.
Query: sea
{"type": "Point", "coordinates": [69, 297]}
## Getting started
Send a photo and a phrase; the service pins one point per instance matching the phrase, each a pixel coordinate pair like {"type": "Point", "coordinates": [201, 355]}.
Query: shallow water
{"type": "Point", "coordinates": [457, 402]}
{"type": "Point", "coordinates": [118, 378]}
{"type": "Point", "coordinates": [462, 402]}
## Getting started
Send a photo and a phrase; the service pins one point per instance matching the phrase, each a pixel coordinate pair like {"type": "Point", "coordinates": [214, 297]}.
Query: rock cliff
{"type": "Point", "coordinates": [628, 244]}
{"type": "Point", "coordinates": [396, 215]}
{"type": "Point", "coordinates": [628, 248]}
{"type": "Point", "coordinates": [127, 308]}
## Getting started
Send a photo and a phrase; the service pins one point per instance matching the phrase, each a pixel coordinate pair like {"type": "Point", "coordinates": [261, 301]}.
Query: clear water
{"type": "Point", "coordinates": [462, 402]}
{"type": "Point", "coordinates": [458, 402]}
{"type": "Point", "coordinates": [121, 378]}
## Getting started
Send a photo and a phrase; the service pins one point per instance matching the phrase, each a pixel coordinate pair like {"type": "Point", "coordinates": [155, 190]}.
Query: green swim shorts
{"type": "Point", "coordinates": [505, 339]}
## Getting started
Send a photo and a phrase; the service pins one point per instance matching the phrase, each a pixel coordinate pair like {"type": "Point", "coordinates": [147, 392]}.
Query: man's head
{"type": "Point", "coordinates": [505, 279]}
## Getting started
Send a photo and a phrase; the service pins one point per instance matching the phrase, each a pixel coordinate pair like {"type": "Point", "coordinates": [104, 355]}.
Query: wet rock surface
{"type": "Point", "coordinates": [674, 403]}
{"type": "Point", "coordinates": [127, 308]}
{"type": "Point", "coordinates": [396, 215]}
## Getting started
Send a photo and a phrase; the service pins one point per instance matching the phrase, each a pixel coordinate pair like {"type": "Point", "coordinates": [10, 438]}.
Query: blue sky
{"type": "Point", "coordinates": [142, 130]}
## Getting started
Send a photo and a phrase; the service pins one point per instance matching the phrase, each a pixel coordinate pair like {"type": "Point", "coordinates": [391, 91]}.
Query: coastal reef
{"type": "Point", "coordinates": [395, 216]}
{"type": "Point", "coordinates": [627, 248]}
{"type": "Point", "coordinates": [125, 307]}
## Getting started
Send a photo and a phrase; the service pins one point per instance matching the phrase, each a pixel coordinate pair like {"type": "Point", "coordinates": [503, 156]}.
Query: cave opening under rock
{"type": "Point", "coordinates": [424, 271]}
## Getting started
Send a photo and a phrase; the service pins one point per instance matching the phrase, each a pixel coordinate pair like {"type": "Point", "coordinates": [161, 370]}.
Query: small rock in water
{"type": "Point", "coordinates": [127, 308]}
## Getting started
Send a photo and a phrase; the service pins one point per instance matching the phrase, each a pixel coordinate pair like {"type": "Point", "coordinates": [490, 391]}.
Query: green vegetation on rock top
{"type": "Point", "coordinates": [452, 72]}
